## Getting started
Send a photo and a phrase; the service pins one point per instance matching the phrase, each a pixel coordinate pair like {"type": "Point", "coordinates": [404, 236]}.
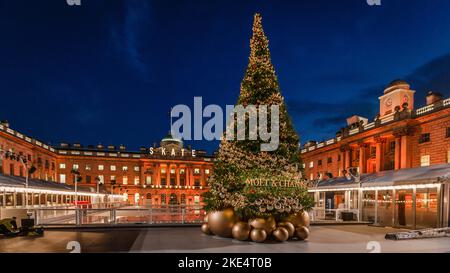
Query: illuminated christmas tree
{"type": "Point", "coordinates": [241, 160]}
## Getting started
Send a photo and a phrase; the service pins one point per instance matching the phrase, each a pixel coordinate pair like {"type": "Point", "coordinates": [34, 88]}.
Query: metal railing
{"type": "Point", "coordinates": [152, 215]}
{"type": "Point", "coordinates": [318, 214]}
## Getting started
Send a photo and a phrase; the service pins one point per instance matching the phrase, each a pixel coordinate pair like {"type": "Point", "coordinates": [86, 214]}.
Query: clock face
{"type": "Point", "coordinates": [405, 98]}
{"type": "Point", "coordinates": [388, 102]}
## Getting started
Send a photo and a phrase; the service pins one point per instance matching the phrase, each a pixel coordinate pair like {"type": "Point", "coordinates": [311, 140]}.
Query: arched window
{"type": "Point", "coordinates": [149, 196]}
{"type": "Point", "coordinates": [136, 198]}
{"type": "Point", "coordinates": [173, 199]}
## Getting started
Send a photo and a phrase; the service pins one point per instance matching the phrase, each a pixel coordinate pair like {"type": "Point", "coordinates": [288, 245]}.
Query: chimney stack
{"type": "Point", "coordinates": [433, 97]}
{"type": "Point", "coordinates": [5, 123]}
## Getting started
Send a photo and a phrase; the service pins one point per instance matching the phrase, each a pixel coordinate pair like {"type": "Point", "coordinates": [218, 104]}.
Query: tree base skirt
{"type": "Point", "coordinates": [227, 225]}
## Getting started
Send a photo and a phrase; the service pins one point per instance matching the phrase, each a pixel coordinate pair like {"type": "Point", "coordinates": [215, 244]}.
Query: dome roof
{"type": "Point", "coordinates": [169, 139]}
{"type": "Point", "coordinates": [395, 84]}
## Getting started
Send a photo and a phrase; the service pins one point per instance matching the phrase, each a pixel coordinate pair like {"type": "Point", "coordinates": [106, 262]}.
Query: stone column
{"type": "Point", "coordinates": [380, 154]}
{"type": "Point", "coordinates": [203, 179]}
{"type": "Point", "coordinates": [346, 156]}
{"type": "Point", "coordinates": [168, 174]}
{"type": "Point", "coordinates": [362, 158]}
{"type": "Point", "coordinates": [177, 173]}
{"type": "Point", "coordinates": [405, 152]}
{"type": "Point", "coordinates": [157, 174]}
{"type": "Point", "coordinates": [397, 154]}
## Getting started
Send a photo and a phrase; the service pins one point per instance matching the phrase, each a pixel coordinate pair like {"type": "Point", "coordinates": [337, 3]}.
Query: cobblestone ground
{"type": "Point", "coordinates": [334, 239]}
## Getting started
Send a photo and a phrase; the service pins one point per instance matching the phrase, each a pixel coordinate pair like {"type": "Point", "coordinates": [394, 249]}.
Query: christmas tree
{"type": "Point", "coordinates": [240, 160]}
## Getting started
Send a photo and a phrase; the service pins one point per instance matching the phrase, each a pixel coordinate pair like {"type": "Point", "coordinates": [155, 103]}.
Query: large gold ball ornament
{"type": "Point", "coordinates": [268, 224]}
{"type": "Point", "coordinates": [221, 222]}
{"type": "Point", "coordinates": [205, 228]}
{"type": "Point", "coordinates": [258, 235]}
{"type": "Point", "coordinates": [241, 231]}
{"type": "Point", "coordinates": [300, 219]}
{"type": "Point", "coordinates": [281, 234]}
{"type": "Point", "coordinates": [289, 227]}
{"type": "Point", "coordinates": [302, 232]}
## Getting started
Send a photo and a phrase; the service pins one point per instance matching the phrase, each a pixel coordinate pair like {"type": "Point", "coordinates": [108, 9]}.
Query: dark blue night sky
{"type": "Point", "coordinates": [109, 71]}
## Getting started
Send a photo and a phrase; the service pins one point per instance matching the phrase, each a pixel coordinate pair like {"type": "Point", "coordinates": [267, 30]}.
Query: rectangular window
{"type": "Point", "coordinates": [197, 182]}
{"type": "Point", "coordinates": [101, 179]}
{"type": "Point", "coordinates": [172, 171]}
{"type": "Point", "coordinates": [125, 180]}
{"type": "Point", "coordinates": [163, 170]}
{"type": "Point", "coordinates": [62, 166]}
{"type": "Point", "coordinates": [75, 167]}
{"type": "Point", "coordinates": [88, 179]}
{"type": "Point", "coordinates": [392, 146]}
{"type": "Point", "coordinates": [196, 171]}
{"type": "Point", "coordinates": [136, 168]}
{"type": "Point", "coordinates": [172, 181]}
{"type": "Point", "coordinates": [113, 178]}
{"type": "Point", "coordinates": [148, 180]}
{"type": "Point", "coordinates": [101, 167]}
{"type": "Point", "coordinates": [124, 168]}
{"type": "Point", "coordinates": [424, 138]}
{"type": "Point", "coordinates": [319, 162]}
{"type": "Point", "coordinates": [182, 171]}
{"type": "Point", "coordinates": [206, 171]}
{"type": "Point", "coordinates": [163, 181]}
{"type": "Point", "coordinates": [62, 178]}
{"type": "Point", "coordinates": [329, 160]}
{"type": "Point", "coordinates": [425, 160]}
{"type": "Point", "coordinates": [112, 167]}
{"type": "Point", "coordinates": [136, 180]}
{"type": "Point", "coordinates": [311, 164]}
{"type": "Point", "coordinates": [88, 167]}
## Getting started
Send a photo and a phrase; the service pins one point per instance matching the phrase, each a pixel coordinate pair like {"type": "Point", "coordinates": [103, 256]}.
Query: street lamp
{"type": "Point", "coordinates": [23, 160]}
{"type": "Point", "coordinates": [98, 180]}
{"type": "Point", "coordinates": [77, 179]}
{"type": "Point", "coordinates": [27, 174]}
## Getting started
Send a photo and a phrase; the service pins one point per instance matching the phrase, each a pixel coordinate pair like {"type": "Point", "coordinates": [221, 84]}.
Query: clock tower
{"type": "Point", "coordinates": [396, 94]}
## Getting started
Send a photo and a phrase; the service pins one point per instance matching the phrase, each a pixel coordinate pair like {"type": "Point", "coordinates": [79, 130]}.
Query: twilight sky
{"type": "Point", "coordinates": [108, 71]}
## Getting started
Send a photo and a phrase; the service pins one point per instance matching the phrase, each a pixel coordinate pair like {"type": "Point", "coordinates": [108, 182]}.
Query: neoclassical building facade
{"type": "Point", "coordinates": [165, 174]}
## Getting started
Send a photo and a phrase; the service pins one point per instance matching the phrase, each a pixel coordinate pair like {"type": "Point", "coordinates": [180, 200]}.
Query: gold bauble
{"type": "Point", "coordinates": [299, 219]}
{"type": "Point", "coordinates": [258, 235]}
{"type": "Point", "coordinates": [281, 234]}
{"type": "Point", "coordinates": [205, 228]}
{"type": "Point", "coordinates": [221, 222]}
{"type": "Point", "coordinates": [268, 224]}
{"type": "Point", "coordinates": [289, 227]}
{"type": "Point", "coordinates": [302, 232]}
{"type": "Point", "coordinates": [241, 231]}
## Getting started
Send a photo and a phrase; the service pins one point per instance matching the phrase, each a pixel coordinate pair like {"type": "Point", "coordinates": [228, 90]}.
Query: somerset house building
{"type": "Point", "coordinates": [164, 174]}
{"type": "Point", "coordinates": [390, 171]}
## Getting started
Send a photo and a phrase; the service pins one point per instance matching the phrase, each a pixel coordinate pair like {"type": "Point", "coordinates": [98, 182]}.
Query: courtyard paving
{"type": "Point", "coordinates": [323, 239]}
